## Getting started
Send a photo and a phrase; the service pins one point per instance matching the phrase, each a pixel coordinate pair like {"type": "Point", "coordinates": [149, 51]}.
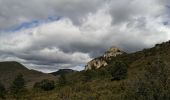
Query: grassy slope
{"type": "Point", "coordinates": [9, 70]}
{"type": "Point", "coordinates": [99, 87]}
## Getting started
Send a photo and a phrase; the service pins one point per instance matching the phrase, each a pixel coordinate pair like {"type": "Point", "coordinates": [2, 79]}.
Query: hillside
{"type": "Point", "coordinates": [62, 71]}
{"type": "Point", "coordinates": [9, 70]}
{"type": "Point", "coordinates": [147, 78]}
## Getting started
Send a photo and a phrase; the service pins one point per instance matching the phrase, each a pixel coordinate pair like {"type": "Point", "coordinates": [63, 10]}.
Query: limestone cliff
{"type": "Point", "coordinates": [102, 61]}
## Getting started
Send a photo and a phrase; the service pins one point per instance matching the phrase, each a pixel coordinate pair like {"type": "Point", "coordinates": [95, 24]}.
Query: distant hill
{"type": "Point", "coordinates": [10, 69]}
{"type": "Point", "coordinates": [62, 71]}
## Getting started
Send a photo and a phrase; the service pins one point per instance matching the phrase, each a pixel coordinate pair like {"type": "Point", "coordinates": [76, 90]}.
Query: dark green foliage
{"type": "Point", "coordinates": [153, 85]}
{"type": "Point", "coordinates": [89, 75]}
{"type": "Point", "coordinates": [18, 84]}
{"type": "Point", "coordinates": [62, 81]}
{"type": "Point", "coordinates": [119, 71]}
{"type": "Point", "coordinates": [103, 73]}
{"type": "Point", "coordinates": [2, 91]}
{"type": "Point", "coordinates": [45, 85]}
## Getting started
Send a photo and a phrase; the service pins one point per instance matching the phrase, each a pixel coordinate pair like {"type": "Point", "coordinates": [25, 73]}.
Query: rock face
{"type": "Point", "coordinates": [102, 61]}
{"type": "Point", "coordinates": [112, 52]}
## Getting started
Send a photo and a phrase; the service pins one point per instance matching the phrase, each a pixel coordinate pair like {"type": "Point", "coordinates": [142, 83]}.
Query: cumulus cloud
{"type": "Point", "coordinates": [18, 11]}
{"type": "Point", "coordinates": [85, 30]}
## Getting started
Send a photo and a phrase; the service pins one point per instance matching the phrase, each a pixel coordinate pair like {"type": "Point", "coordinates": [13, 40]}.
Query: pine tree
{"type": "Point", "coordinates": [18, 84]}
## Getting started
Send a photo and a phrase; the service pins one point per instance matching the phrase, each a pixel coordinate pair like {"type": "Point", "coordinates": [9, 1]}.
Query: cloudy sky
{"type": "Point", "coordinates": [48, 35]}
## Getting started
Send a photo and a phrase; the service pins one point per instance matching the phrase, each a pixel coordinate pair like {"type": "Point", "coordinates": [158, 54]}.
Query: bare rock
{"type": "Point", "coordinates": [102, 61]}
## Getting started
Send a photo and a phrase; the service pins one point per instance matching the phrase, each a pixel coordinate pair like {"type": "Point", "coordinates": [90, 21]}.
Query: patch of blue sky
{"type": "Point", "coordinates": [78, 68]}
{"type": "Point", "coordinates": [31, 24]}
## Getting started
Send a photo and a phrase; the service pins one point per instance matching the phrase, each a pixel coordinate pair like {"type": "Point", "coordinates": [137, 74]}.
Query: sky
{"type": "Point", "coordinates": [47, 35]}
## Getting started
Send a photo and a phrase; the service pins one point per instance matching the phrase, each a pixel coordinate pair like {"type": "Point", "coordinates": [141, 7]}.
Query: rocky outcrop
{"type": "Point", "coordinates": [112, 52]}
{"type": "Point", "coordinates": [102, 61]}
{"type": "Point", "coordinates": [95, 64]}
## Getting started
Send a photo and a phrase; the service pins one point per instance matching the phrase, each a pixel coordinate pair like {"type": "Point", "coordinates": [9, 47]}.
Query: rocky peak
{"type": "Point", "coordinates": [102, 61]}
{"type": "Point", "coordinates": [112, 52]}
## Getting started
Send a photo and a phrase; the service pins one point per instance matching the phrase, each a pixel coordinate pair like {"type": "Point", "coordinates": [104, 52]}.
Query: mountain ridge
{"type": "Point", "coordinates": [62, 71]}
{"type": "Point", "coordinates": [10, 69]}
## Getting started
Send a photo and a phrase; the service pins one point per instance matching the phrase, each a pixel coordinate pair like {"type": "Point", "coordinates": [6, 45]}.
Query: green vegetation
{"type": "Point", "coordinates": [144, 75]}
{"type": "Point", "coordinates": [89, 75]}
{"type": "Point", "coordinates": [62, 81]}
{"type": "Point", "coordinates": [153, 85]}
{"type": "Point", "coordinates": [45, 85]}
{"type": "Point", "coordinates": [9, 71]}
{"type": "Point", "coordinates": [2, 91]}
{"type": "Point", "coordinates": [119, 71]}
{"type": "Point", "coordinates": [18, 86]}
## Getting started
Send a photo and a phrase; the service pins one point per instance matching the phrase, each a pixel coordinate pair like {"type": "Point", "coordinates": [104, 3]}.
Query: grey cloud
{"type": "Point", "coordinates": [86, 30]}
{"type": "Point", "coordinates": [127, 10]}
{"type": "Point", "coordinates": [17, 11]}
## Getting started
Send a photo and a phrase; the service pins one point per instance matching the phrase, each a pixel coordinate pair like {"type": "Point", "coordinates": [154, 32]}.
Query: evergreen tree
{"type": "Point", "coordinates": [119, 71]}
{"type": "Point", "coordinates": [18, 84]}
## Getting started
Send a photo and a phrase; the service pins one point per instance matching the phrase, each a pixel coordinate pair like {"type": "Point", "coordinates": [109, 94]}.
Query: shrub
{"type": "Point", "coordinates": [45, 85]}
{"type": "Point", "coordinates": [2, 91]}
{"type": "Point", "coordinates": [62, 81]}
{"type": "Point", "coordinates": [119, 71]}
{"type": "Point", "coordinates": [18, 85]}
{"type": "Point", "coordinates": [89, 75]}
{"type": "Point", "coordinates": [152, 85]}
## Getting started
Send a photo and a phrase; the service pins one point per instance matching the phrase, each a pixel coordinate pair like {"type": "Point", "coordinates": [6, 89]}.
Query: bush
{"type": "Point", "coordinates": [45, 85]}
{"type": "Point", "coordinates": [62, 81]}
{"type": "Point", "coordinates": [2, 91]}
{"type": "Point", "coordinates": [18, 84]}
{"type": "Point", "coordinates": [89, 75]}
{"type": "Point", "coordinates": [119, 71]}
{"type": "Point", "coordinates": [152, 85]}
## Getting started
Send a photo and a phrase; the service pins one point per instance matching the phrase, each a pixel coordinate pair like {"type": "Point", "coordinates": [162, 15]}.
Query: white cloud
{"type": "Point", "coordinates": [126, 24]}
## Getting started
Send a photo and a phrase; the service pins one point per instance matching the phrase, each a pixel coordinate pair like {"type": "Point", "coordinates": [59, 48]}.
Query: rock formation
{"type": "Point", "coordinates": [102, 61]}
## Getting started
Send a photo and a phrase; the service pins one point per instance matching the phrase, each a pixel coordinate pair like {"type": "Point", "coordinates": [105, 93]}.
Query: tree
{"type": "Point", "coordinates": [2, 91]}
{"type": "Point", "coordinates": [18, 85]}
{"type": "Point", "coordinates": [45, 85]}
{"type": "Point", "coordinates": [119, 71]}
